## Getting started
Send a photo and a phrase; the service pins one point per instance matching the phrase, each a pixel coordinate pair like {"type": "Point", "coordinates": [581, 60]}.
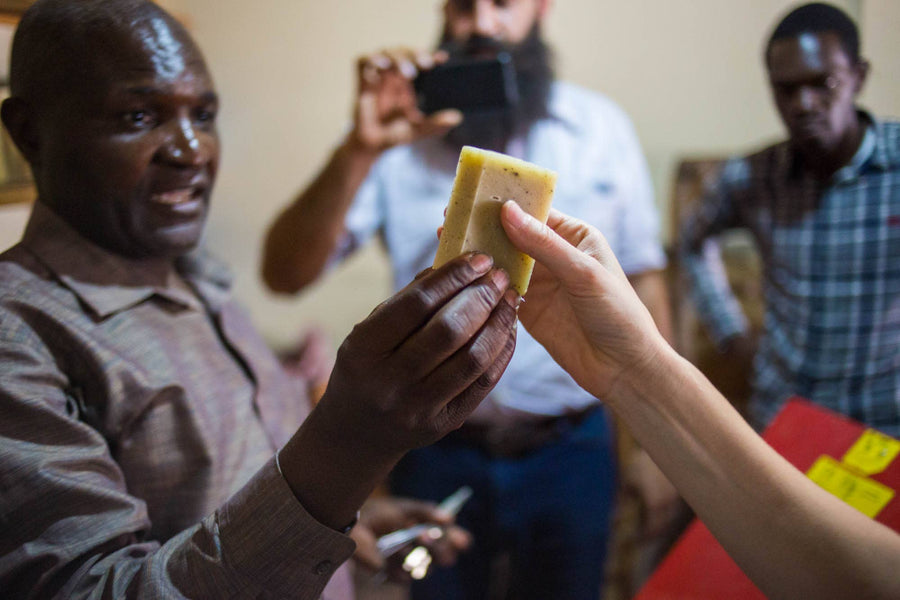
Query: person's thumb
{"type": "Point", "coordinates": [538, 241]}
{"type": "Point", "coordinates": [439, 123]}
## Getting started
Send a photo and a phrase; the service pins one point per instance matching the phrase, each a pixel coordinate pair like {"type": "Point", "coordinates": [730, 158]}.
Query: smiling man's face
{"type": "Point", "coordinates": [129, 156]}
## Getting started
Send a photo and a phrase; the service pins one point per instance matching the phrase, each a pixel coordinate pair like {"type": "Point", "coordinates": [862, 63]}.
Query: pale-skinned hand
{"type": "Point", "coordinates": [385, 112]}
{"type": "Point", "coordinates": [579, 304]}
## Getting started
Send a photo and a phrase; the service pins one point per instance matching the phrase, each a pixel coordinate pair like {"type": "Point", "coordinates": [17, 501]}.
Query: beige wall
{"type": "Point", "coordinates": [285, 71]}
{"type": "Point", "coordinates": [687, 71]}
{"type": "Point", "coordinates": [880, 25]}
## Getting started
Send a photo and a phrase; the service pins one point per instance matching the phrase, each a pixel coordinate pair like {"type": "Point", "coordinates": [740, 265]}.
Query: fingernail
{"type": "Point", "coordinates": [500, 278]}
{"type": "Point", "coordinates": [442, 515]}
{"type": "Point", "coordinates": [515, 214]}
{"type": "Point", "coordinates": [408, 69]}
{"type": "Point", "coordinates": [513, 298]}
{"type": "Point", "coordinates": [425, 60]}
{"type": "Point", "coordinates": [480, 263]}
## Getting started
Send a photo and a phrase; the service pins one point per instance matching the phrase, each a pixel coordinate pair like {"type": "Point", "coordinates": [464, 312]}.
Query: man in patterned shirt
{"type": "Point", "coordinates": [150, 444]}
{"type": "Point", "coordinates": [824, 209]}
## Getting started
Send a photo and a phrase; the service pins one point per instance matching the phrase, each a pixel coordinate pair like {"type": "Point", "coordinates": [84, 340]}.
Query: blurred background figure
{"type": "Point", "coordinates": [824, 209]}
{"type": "Point", "coordinates": [311, 360]}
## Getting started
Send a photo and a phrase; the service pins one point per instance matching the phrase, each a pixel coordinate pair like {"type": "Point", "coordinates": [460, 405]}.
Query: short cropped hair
{"type": "Point", "coordinates": [48, 44]}
{"type": "Point", "coordinates": [818, 17]}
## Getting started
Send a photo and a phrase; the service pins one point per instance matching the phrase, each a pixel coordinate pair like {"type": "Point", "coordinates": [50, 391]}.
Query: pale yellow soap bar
{"type": "Point", "coordinates": [484, 181]}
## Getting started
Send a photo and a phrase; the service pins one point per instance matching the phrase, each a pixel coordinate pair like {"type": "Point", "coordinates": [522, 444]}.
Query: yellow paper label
{"type": "Point", "coordinates": [865, 495]}
{"type": "Point", "coordinates": [872, 452]}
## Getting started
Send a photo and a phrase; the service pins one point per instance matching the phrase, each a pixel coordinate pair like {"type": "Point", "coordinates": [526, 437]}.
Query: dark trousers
{"type": "Point", "coordinates": [540, 521]}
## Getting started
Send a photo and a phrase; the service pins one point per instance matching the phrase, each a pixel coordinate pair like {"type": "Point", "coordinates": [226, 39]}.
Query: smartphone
{"type": "Point", "coordinates": [468, 85]}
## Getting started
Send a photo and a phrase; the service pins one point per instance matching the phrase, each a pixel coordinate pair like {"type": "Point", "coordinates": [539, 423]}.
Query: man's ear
{"type": "Point", "coordinates": [17, 118]}
{"type": "Point", "coordinates": [862, 73]}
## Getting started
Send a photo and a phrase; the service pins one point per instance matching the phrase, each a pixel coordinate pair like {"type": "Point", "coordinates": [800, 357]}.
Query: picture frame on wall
{"type": "Point", "coordinates": [14, 7]}
{"type": "Point", "coordinates": [15, 177]}
{"type": "Point", "coordinates": [16, 184]}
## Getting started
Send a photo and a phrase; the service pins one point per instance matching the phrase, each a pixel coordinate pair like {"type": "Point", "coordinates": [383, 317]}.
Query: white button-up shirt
{"type": "Point", "coordinates": [603, 179]}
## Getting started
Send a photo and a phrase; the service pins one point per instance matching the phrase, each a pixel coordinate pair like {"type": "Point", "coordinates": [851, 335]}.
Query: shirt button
{"type": "Point", "coordinates": [323, 567]}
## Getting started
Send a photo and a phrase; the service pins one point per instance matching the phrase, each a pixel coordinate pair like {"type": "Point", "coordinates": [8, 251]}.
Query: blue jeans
{"type": "Point", "coordinates": [548, 511]}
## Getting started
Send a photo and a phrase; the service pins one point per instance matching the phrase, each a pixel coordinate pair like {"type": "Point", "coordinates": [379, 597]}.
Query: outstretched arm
{"type": "Point", "coordinates": [793, 539]}
{"type": "Point", "coordinates": [302, 238]}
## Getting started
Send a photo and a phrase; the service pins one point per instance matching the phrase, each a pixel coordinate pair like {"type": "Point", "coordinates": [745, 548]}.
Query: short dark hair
{"type": "Point", "coordinates": [49, 41]}
{"type": "Point", "coordinates": [818, 17]}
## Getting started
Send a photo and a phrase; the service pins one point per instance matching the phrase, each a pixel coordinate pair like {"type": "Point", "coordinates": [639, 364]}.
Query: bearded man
{"type": "Point", "coordinates": [539, 453]}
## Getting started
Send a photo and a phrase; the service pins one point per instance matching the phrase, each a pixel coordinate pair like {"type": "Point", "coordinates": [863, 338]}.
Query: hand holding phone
{"type": "Point", "coordinates": [386, 112]}
{"type": "Point", "coordinates": [468, 85]}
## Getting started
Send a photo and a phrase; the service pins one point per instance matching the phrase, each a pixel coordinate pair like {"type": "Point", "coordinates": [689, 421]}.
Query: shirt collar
{"type": "Point", "coordinates": [872, 152]}
{"type": "Point", "coordinates": [210, 277]}
{"type": "Point", "coordinates": [884, 155]}
{"type": "Point", "coordinates": [865, 154]}
{"type": "Point", "coordinates": [108, 283]}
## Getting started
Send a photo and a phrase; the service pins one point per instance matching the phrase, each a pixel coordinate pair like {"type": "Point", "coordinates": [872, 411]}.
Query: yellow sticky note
{"type": "Point", "coordinates": [872, 453]}
{"type": "Point", "coordinates": [484, 181]}
{"type": "Point", "coordinates": [865, 495]}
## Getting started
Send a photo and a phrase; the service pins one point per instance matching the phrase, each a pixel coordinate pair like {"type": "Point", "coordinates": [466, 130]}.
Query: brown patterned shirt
{"type": "Point", "coordinates": [138, 421]}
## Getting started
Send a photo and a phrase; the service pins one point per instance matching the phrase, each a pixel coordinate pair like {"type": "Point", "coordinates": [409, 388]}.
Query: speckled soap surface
{"type": "Point", "coordinates": [484, 181]}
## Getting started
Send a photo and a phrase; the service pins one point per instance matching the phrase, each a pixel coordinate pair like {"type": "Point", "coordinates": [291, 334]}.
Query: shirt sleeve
{"type": "Point", "coordinates": [701, 258]}
{"type": "Point", "coordinates": [364, 218]}
{"type": "Point", "coordinates": [72, 530]}
{"type": "Point", "coordinates": [641, 249]}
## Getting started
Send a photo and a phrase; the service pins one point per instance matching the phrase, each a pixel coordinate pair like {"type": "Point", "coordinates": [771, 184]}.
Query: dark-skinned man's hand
{"type": "Point", "coordinates": [421, 362]}
{"type": "Point", "coordinates": [406, 376]}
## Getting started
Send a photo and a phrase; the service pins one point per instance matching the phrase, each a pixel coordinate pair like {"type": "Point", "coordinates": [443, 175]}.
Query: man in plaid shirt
{"type": "Point", "coordinates": [824, 209]}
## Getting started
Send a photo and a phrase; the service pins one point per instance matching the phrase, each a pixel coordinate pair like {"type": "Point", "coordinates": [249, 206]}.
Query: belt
{"type": "Point", "coordinates": [514, 440]}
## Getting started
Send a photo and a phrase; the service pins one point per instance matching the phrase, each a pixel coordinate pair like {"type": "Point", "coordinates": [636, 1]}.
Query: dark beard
{"type": "Point", "coordinates": [533, 62]}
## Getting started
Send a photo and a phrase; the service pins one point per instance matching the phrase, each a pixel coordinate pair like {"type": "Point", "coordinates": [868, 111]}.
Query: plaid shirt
{"type": "Point", "coordinates": [138, 420]}
{"type": "Point", "coordinates": [831, 268]}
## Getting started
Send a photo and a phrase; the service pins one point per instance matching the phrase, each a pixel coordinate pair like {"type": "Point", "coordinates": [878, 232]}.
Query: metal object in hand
{"type": "Point", "coordinates": [392, 542]}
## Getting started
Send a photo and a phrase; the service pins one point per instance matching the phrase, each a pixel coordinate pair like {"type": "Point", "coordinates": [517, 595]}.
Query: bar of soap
{"type": "Point", "coordinates": [484, 181]}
